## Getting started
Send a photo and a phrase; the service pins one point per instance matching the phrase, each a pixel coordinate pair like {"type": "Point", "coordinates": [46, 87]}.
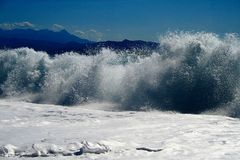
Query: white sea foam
{"type": "Point", "coordinates": [191, 73]}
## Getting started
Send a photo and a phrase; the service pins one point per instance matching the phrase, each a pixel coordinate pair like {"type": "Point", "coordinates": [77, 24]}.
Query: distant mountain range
{"type": "Point", "coordinates": [62, 41]}
{"type": "Point", "coordinates": [42, 35]}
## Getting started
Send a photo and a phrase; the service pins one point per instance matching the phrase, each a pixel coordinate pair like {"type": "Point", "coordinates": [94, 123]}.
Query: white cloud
{"type": "Point", "coordinates": [80, 33]}
{"type": "Point", "coordinates": [91, 34]}
{"type": "Point", "coordinates": [95, 35]}
{"type": "Point", "coordinates": [22, 25]}
{"type": "Point", "coordinates": [25, 24]}
{"type": "Point", "coordinates": [57, 27]}
{"type": "Point", "coordinates": [7, 26]}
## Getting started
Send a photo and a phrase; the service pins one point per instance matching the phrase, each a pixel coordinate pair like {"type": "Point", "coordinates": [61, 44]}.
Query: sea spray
{"type": "Point", "coordinates": [191, 73]}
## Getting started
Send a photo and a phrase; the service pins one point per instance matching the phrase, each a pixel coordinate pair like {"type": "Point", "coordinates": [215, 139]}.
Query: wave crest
{"type": "Point", "coordinates": [191, 73]}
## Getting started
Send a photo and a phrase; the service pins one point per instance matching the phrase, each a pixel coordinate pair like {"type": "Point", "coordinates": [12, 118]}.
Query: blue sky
{"type": "Point", "coordinates": [122, 19]}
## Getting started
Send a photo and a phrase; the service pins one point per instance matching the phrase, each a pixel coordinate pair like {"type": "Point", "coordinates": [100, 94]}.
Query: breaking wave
{"type": "Point", "coordinates": [191, 73]}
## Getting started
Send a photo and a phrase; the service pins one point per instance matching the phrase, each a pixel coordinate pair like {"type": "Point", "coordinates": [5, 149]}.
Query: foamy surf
{"type": "Point", "coordinates": [191, 73]}
{"type": "Point", "coordinates": [51, 132]}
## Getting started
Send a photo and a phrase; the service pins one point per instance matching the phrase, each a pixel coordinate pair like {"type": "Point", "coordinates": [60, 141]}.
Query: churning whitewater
{"type": "Point", "coordinates": [190, 73]}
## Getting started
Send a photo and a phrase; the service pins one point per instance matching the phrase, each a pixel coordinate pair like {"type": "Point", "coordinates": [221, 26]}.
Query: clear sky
{"type": "Point", "coordinates": [122, 19]}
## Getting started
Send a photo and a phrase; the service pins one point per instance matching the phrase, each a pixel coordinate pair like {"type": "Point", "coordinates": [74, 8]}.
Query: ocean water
{"type": "Point", "coordinates": [191, 73]}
